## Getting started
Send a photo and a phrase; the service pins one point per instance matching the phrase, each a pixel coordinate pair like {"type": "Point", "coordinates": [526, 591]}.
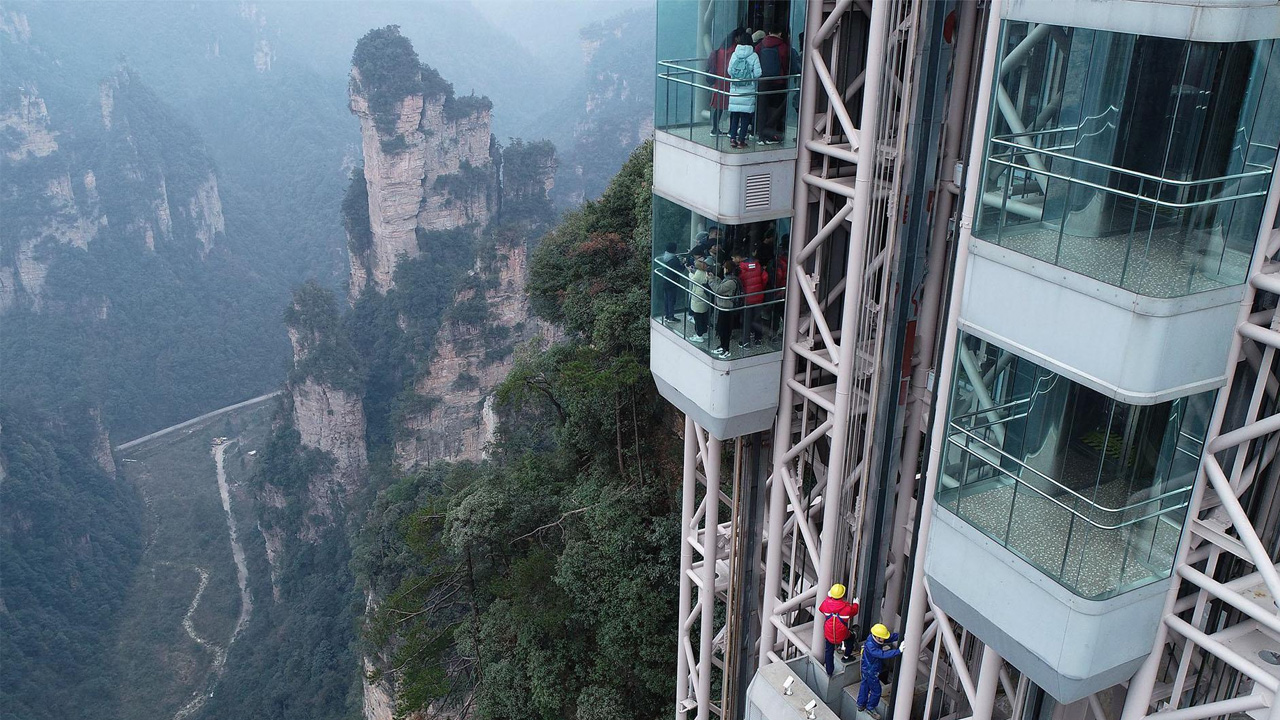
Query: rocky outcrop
{"type": "Point", "coordinates": [327, 404]}
{"type": "Point", "coordinates": [102, 443]}
{"type": "Point", "coordinates": [332, 420]}
{"type": "Point", "coordinates": [205, 212]}
{"type": "Point", "coordinates": [470, 360]}
{"type": "Point", "coordinates": [26, 127]}
{"type": "Point", "coordinates": [427, 167]}
{"type": "Point", "coordinates": [378, 701]}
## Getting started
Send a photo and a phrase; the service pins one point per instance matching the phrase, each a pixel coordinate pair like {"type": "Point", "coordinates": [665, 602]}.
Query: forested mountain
{"type": "Point", "coordinates": [170, 175]}
{"type": "Point", "coordinates": [535, 584]}
{"type": "Point", "coordinates": [609, 111]}
{"type": "Point", "coordinates": [121, 284]}
{"type": "Point", "coordinates": [70, 537]}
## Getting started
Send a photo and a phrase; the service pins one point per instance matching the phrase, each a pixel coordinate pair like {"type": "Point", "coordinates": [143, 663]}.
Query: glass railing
{"type": "Point", "coordinates": [1095, 548]}
{"type": "Point", "coordinates": [723, 326]}
{"type": "Point", "coordinates": [695, 104]}
{"type": "Point", "coordinates": [1156, 236]}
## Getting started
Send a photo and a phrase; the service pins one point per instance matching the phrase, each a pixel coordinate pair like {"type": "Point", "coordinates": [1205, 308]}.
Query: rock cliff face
{"type": "Point", "coordinates": [53, 184]}
{"type": "Point", "coordinates": [326, 404]}
{"type": "Point", "coordinates": [470, 360]}
{"type": "Point", "coordinates": [425, 171]}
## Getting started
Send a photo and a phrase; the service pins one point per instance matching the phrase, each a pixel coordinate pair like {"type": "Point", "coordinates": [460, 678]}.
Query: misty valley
{"type": "Point", "coordinates": [324, 382]}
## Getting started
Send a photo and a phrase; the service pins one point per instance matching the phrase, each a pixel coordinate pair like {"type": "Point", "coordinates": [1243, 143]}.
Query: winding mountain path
{"type": "Point", "coordinates": [246, 598]}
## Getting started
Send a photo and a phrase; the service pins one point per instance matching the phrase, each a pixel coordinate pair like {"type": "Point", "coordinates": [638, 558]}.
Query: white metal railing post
{"type": "Point", "coordinates": [707, 593]}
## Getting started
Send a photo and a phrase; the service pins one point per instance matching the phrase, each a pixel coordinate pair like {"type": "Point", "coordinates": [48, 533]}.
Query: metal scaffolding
{"type": "Point", "coordinates": [841, 267]}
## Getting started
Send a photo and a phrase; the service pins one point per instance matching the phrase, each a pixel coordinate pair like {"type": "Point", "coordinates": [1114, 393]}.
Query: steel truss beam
{"type": "Point", "coordinates": [712, 502]}
{"type": "Point", "coordinates": [1225, 583]}
{"type": "Point", "coordinates": [843, 257]}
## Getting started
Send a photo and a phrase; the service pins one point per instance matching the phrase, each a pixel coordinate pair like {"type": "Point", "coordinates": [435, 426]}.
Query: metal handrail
{"type": "Point", "coordinates": [729, 93]}
{"type": "Point", "coordinates": [1124, 193]}
{"type": "Point", "coordinates": [1019, 481]}
{"type": "Point", "coordinates": [1023, 149]}
{"type": "Point", "coordinates": [680, 279]}
{"type": "Point", "coordinates": [1055, 483]}
{"type": "Point", "coordinates": [674, 66]}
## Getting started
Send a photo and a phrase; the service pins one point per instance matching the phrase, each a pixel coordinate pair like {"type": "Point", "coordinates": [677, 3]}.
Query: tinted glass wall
{"type": "Point", "coordinates": [1142, 162]}
{"type": "Point", "coordinates": [1090, 490]}
{"type": "Point", "coordinates": [695, 93]}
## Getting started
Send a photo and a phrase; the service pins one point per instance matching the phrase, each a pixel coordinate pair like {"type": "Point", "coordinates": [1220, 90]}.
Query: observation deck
{"type": "Point", "coordinates": [696, 163]}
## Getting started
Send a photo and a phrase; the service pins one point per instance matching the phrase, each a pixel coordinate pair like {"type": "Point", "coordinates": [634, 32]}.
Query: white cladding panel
{"type": "Point", "coordinates": [727, 398]}
{"type": "Point", "coordinates": [1070, 646]}
{"type": "Point", "coordinates": [1199, 20]}
{"type": "Point", "coordinates": [1135, 349]}
{"type": "Point", "coordinates": [730, 188]}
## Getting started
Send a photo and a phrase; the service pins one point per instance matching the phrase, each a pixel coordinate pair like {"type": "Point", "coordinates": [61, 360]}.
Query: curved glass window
{"type": "Point", "coordinates": [1090, 490]}
{"type": "Point", "coordinates": [1142, 162]}
{"type": "Point", "coordinates": [728, 320]}
{"type": "Point", "coordinates": [695, 94]}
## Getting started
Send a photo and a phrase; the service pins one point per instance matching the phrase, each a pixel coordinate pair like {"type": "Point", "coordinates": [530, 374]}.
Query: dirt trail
{"type": "Point", "coordinates": [246, 599]}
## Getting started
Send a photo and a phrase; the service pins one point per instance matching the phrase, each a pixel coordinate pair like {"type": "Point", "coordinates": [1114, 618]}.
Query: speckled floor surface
{"type": "Point", "coordinates": [701, 134]}
{"type": "Point", "coordinates": [1088, 560]}
{"type": "Point", "coordinates": [1155, 266]}
{"type": "Point", "coordinates": [684, 327]}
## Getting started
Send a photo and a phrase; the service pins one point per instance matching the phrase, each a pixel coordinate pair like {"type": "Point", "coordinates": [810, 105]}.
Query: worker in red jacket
{"type": "Point", "coordinates": [755, 280]}
{"type": "Point", "coordinates": [837, 626]}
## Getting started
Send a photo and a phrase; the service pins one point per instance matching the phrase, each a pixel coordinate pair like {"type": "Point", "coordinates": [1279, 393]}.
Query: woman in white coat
{"type": "Point", "coordinates": [744, 70]}
{"type": "Point", "coordinates": [699, 303]}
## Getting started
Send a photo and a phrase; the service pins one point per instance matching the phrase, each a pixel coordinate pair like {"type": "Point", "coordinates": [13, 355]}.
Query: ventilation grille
{"type": "Point", "coordinates": [759, 192]}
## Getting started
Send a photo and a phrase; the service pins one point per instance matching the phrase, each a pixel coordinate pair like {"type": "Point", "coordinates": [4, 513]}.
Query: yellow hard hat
{"type": "Point", "coordinates": [880, 631]}
{"type": "Point", "coordinates": [837, 591]}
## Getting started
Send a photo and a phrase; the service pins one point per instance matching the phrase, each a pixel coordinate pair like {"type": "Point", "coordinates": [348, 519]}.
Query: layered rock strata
{"type": "Point", "coordinates": [406, 172]}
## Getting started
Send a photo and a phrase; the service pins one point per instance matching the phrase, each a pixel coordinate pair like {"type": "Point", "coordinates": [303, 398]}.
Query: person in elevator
{"type": "Point", "coordinates": [754, 280]}
{"type": "Point", "coordinates": [744, 68]}
{"type": "Point", "coordinates": [837, 626]}
{"type": "Point", "coordinates": [698, 299]}
{"type": "Point", "coordinates": [775, 62]}
{"type": "Point", "coordinates": [881, 645]}
{"type": "Point", "coordinates": [670, 266]}
{"type": "Point", "coordinates": [718, 65]}
{"type": "Point", "coordinates": [727, 292]}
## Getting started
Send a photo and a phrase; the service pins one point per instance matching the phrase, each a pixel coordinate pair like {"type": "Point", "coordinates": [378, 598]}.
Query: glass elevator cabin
{"type": "Point", "coordinates": [715, 346]}
{"type": "Point", "coordinates": [1123, 184]}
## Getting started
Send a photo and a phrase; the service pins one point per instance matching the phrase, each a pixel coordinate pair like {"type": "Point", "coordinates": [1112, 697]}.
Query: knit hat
{"type": "Point", "coordinates": [757, 36]}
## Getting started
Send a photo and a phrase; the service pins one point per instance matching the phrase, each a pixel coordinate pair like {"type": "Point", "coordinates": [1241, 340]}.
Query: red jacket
{"type": "Point", "coordinates": [718, 64]}
{"type": "Point", "coordinates": [754, 281]}
{"type": "Point", "coordinates": [839, 619]}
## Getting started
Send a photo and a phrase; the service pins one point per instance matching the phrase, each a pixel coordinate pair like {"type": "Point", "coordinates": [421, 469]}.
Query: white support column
{"type": "Point", "coordinates": [707, 593]}
{"type": "Point", "coordinates": [988, 683]}
{"type": "Point", "coordinates": [904, 690]}
{"type": "Point", "coordinates": [686, 566]}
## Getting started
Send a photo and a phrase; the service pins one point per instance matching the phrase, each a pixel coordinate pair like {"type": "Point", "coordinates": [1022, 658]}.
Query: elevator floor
{"type": "Point", "coordinates": [1090, 561]}
{"type": "Point", "coordinates": [1161, 263]}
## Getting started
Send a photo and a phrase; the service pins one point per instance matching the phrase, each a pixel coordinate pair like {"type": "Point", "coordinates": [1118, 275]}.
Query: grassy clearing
{"type": "Point", "coordinates": [158, 664]}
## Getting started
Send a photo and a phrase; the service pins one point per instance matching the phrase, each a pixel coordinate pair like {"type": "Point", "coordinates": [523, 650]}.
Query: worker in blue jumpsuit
{"type": "Point", "coordinates": [880, 646]}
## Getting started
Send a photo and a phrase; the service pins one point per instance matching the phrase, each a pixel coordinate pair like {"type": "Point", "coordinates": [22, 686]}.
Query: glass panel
{"type": "Point", "coordinates": [1090, 490]}
{"type": "Point", "coordinates": [697, 96]}
{"type": "Point", "coordinates": [1142, 162]}
{"type": "Point", "coordinates": [721, 288]}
